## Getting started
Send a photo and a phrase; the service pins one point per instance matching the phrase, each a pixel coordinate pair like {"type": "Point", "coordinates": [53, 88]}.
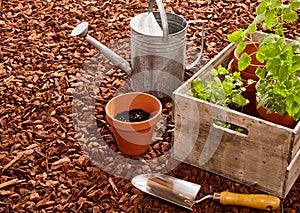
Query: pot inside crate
{"type": "Point", "coordinates": [249, 94]}
{"type": "Point", "coordinates": [284, 120]}
{"type": "Point", "coordinates": [248, 73]}
{"type": "Point", "coordinates": [251, 49]}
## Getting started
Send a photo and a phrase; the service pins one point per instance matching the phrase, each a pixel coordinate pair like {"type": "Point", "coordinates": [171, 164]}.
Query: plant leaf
{"type": "Point", "coordinates": [292, 107]}
{"type": "Point", "coordinates": [295, 67]}
{"type": "Point", "coordinates": [214, 72]}
{"type": "Point", "coordinates": [222, 70]}
{"type": "Point", "coordinates": [260, 57]}
{"type": "Point", "coordinates": [263, 101]}
{"type": "Point", "coordinates": [271, 50]}
{"type": "Point", "coordinates": [259, 18]}
{"type": "Point", "coordinates": [289, 15]}
{"type": "Point", "coordinates": [239, 99]}
{"type": "Point", "coordinates": [236, 37]}
{"type": "Point", "coordinates": [271, 39]}
{"type": "Point", "coordinates": [261, 8]}
{"type": "Point", "coordinates": [251, 29]}
{"type": "Point", "coordinates": [275, 4]}
{"type": "Point", "coordinates": [283, 72]}
{"type": "Point", "coordinates": [261, 73]}
{"type": "Point", "coordinates": [227, 85]}
{"type": "Point", "coordinates": [297, 99]}
{"type": "Point", "coordinates": [218, 91]}
{"type": "Point", "coordinates": [297, 116]}
{"type": "Point", "coordinates": [295, 4]}
{"type": "Point", "coordinates": [279, 90]}
{"type": "Point", "coordinates": [270, 19]}
{"type": "Point", "coordinates": [250, 81]}
{"type": "Point", "coordinates": [273, 66]}
{"type": "Point", "coordinates": [279, 29]}
{"type": "Point", "coordinates": [197, 85]}
{"type": "Point", "coordinates": [240, 47]}
{"type": "Point", "coordinates": [297, 84]}
{"type": "Point", "coordinates": [244, 61]}
{"type": "Point", "coordinates": [287, 54]}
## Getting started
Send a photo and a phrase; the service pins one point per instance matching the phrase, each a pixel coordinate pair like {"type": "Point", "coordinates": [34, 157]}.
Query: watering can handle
{"type": "Point", "coordinates": [164, 22]}
{"type": "Point", "coordinates": [163, 15]}
{"type": "Point", "coordinates": [190, 66]}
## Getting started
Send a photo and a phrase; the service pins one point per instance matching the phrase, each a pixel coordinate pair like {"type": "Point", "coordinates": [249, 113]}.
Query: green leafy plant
{"type": "Point", "coordinates": [271, 14]}
{"type": "Point", "coordinates": [278, 87]}
{"type": "Point", "coordinates": [223, 88]}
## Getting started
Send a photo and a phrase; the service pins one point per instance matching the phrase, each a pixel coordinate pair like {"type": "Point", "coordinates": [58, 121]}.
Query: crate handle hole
{"type": "Point", "coordinates": [226, 126]}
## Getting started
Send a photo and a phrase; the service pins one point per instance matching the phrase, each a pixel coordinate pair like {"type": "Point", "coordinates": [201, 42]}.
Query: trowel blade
{"type": "Point", "coordinates": [169, 188]}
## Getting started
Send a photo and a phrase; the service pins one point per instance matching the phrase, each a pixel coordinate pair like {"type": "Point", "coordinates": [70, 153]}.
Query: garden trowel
{"type": "Point", "coordinates": [184, 193]}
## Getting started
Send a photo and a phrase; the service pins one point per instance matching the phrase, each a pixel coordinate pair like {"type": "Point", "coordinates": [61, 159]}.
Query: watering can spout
{"type": "Point", "coordinates": [82, 29]}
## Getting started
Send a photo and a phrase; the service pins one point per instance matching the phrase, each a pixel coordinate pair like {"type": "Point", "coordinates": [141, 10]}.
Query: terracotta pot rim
{"type": "Point", "coordinates": [255, 65]}
{"type": "Point", "coordinates": [264, 107]}
{"type": "Point", "coordinates": [249, 75]}
{"type": "Point", "coordinates": [285, 120]}
{"type": "Point", "coordinates": [247, 44]}
{"type": "Point", "coordinates": [244, 73]}
{"type": "Point", "coordinates": [155, 117]}
{"type": "Point", "coordinates": [237, 56]}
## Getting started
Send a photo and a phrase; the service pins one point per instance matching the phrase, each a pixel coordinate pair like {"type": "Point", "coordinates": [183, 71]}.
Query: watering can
{"type": "Point", "coordinates": [157, 54]}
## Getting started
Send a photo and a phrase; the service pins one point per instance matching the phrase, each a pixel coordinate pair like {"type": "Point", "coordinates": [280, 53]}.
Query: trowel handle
{"type": "Point", "coordinates": [257, 201]}
{"type": "Point", "coordinates": [110, 55]}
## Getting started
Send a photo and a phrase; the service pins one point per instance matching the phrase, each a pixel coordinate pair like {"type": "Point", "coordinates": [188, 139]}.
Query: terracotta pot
{"type": "Point", "coordinates": [251, 49]}
{"type": "Point", "coordinates": [250, 108]}
{"type": "Point", "coordinates": [245, 77]}
{"type": "Point", "coordinates": [133, 138]}
{"type": "Point", "coordinates": [284, 120]}
{"type": "Point", "coordinates": [248, 73]}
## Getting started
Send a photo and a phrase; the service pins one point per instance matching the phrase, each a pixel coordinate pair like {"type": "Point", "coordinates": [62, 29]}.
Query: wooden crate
{"type": "Point", "coordinates": [269, 154]}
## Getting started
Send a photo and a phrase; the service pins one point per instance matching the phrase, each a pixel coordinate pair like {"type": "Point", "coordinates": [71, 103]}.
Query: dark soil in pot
{"type": "Point", "coordinates": [134, 115]}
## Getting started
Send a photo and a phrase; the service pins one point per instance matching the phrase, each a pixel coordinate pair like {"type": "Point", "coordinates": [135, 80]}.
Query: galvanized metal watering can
{"type": "Point", "coordinates": [157, 56]}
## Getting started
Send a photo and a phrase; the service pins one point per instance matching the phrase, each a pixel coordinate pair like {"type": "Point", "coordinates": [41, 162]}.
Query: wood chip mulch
{"type": "Point", "coordinates": [43, 166]}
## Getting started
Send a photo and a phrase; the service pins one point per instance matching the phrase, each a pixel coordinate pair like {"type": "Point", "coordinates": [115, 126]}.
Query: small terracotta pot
{"type": "Point", "coordinates": [133, 138]}
{"type": "Point", "coordinates": [251, 49]}
{"type": "Point", "coordinates": [248, 73]}
{"type": "Point", "coordinates": [284, 120]}
{"type": "Point", "coordinates": [250, 108]}
{"type": "Point", "coordinates": [245, 76]}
